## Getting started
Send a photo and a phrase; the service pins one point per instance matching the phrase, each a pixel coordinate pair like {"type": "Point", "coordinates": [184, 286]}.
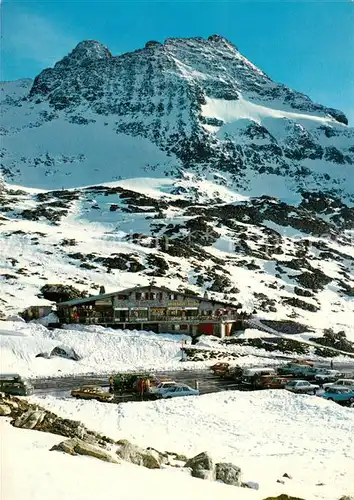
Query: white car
{"type": "Point", "coordinates": [323, 374]}
{"type": "Point", "coordinates": [302, 387]}
{"type": "Point", "coordinates": [162, 387]}
{"type": "Point", "coordinates": [177, 390]}
{"type": "Point", "coordinates": [342, 382]}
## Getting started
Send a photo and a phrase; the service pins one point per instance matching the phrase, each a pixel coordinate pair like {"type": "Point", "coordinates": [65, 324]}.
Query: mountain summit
{"type": "Point", "coordinates": [187, 142]}
{"type": "Point", "coordinates": [190, 104]}
{"type": "Point", "coordinates": [84, 53]}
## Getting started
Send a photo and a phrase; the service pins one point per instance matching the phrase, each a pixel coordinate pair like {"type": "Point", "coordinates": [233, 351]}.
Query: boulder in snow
{"type": "Point", "coordinates": [228, 473]}
{"type": "Point", "coordinates": [30, 419]}
{"type": "Point", "coordinates": [66, 352]}
{"type": "Point", "coordinates": [77, 446]}
{"type": "Point", "coordinates": [202, 466]}
{"type": "Point", "coordinates": [4, 410]}
{"type": "Point", "coordinates": [138, 456]}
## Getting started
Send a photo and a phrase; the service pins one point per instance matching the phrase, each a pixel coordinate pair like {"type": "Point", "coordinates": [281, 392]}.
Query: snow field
{"type": "Point", "coordinates": [266, 433]}
{"type": "Point", "coordinates": [49, 474]}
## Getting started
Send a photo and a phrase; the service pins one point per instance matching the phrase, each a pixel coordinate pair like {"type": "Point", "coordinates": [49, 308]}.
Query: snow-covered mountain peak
{"type": "Point", "coordinates": [84, 53]}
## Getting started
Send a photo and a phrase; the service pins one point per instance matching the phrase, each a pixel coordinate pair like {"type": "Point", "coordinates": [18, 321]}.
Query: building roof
{"type": "Point", "coordinates": [102, 296]}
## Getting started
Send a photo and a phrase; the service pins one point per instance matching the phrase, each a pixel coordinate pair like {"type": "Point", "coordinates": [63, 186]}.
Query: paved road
{"type": "Point", "coordinates": [207, 381]}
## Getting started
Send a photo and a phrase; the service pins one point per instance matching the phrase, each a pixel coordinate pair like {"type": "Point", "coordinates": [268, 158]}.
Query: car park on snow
{"type": "Point", "coordinates": [92, 392]}
{"type": "Point", "coordinates": [301, 387]}
{"type": "Point", "coordinates": [339, 394]}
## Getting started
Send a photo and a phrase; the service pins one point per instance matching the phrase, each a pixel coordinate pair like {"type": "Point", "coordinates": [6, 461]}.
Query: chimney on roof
{"type": "Point", "coordinates": [102, 290]}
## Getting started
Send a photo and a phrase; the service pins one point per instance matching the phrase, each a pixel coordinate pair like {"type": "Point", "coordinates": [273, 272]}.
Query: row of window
{"type": "Point", "coordinates": [154, 296]}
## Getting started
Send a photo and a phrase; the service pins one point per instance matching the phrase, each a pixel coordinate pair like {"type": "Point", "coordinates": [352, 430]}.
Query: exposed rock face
{"type": "Point", "coordinates": [174, 94]}
{"type": "Point", "coordinates": [61, 293]}
{"type": "Point", "coordinates": [85, 53]}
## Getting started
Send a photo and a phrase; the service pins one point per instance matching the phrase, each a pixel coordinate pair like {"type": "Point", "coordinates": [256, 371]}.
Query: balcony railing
{"type": "Point", "coordinates": [105, 319]}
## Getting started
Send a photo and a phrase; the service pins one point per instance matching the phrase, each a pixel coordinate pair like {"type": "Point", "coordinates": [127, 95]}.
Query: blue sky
{"type": "Point", "coordinates": [308, 45]}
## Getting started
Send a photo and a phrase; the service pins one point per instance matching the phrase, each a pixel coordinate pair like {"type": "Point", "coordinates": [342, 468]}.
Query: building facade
{"type": "Point", "coordinates": [152, 308]}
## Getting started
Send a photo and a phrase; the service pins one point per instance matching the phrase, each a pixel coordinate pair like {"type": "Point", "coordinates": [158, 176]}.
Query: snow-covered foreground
{"type": "Point", "coordinates": [33, 472]}
{"type": "Point", "coordinates": [266, 433]}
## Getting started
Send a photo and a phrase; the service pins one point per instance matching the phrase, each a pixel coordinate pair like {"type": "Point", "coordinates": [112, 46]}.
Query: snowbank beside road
{"type": "Point", "coordinates": [101, 350]}
{"type": "Point", "coordinates": [266, 433]}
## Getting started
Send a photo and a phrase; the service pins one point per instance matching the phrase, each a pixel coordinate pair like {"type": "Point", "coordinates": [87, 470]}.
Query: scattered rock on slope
{"type": "Point", "coordinates": [75, 446]}
{"type": "Point", "coordinates": [228, 473]}
{"type": "Point", "coordinates": [138, 456]}
{"type": "Point", "coordinates": [202, 466]}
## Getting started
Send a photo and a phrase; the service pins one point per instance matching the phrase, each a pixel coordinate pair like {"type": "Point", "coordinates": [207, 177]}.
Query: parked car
{"type": "Point", "coordinates": [92, 392]}
{"type": "Point", "coordinates": [346, 382]}
{"type": "Point", "coordinates": [251, 377]}
{"type": "Point", "coordinates": [220, 368]}
{"type": "Point", "coordinates": [342, 395]}
{"type": "Point", "coordinates": [298, 370]}
{"type": "Point", "coordinates": [176, 391]}
{"type": "Point", "coordinates": [14, 384]}
{"type": "Point", "coordinates": [326, 375]}
{"type": "Point", "coordinates": [271, 382]}
{"type": "Point", "coordinates": [301, 387]}
{"type": "Point", "coordinates": [162, 386]}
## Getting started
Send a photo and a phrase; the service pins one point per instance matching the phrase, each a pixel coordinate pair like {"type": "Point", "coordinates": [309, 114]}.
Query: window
{"type": "Point", "coordinates": [138, 295]}
{"type": "Point", "coordinates": [141, 314]}
{"type": "Point", "coordinates": [173, 296]}
{"type": "Point", "coordinates": [152, 296]}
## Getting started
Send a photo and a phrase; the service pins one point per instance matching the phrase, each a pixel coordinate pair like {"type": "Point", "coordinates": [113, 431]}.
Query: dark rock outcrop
{"type": "Point", "coordinates": [202, 466]}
